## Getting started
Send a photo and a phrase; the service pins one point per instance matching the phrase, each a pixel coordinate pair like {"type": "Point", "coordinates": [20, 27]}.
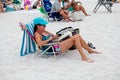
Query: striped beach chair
{"type": "Point", "coordinates": [29, 44]}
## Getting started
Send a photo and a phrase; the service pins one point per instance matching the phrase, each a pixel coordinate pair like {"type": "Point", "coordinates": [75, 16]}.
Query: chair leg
{"type": "Point", "coordinates": [96, 8]}
{"type": "Point", "coordinates": [108, 8]}
{"type": "Point", "coordinates": [54, 52]}
{"type": "Point", "coordinates": [41, 53]}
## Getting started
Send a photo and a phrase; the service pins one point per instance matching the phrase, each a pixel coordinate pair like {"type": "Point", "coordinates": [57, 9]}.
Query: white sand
{"type": "Point", "coordinates": [102, 29]}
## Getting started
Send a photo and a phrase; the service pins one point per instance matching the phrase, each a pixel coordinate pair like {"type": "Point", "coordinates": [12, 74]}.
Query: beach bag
{"type": "Point", "coordinates": [66, 33]}
{"type": "Point", "coordinates": [77, 16]}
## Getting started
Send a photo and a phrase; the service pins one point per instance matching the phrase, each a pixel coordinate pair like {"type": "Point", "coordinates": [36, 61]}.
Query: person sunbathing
{"type": "Point", "coordinates": [75, 6]}
{"type": "Point", "coordinates": [43, 37]}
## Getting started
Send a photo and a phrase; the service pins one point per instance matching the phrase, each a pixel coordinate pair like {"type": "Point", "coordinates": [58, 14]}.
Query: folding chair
{"type": "Point", "coordinates": [29, 44]}
{"type": "Point", "coordinates": [106, 3]}
{"type": "Point", "coordinates": [47, 5]}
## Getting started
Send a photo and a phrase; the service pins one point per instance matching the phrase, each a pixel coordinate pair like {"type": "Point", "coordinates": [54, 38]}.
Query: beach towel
{"type": "Point", "coordinates": [28, 44]}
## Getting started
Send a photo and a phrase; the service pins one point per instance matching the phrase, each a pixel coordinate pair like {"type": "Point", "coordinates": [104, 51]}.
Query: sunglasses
{"type": "Point", "coordinates": [41, 25]}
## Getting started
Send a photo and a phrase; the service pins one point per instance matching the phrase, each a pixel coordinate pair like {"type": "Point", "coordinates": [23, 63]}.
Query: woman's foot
{"type": "Point", "coordinates": [94, 52]}
{"type": "Point", "coordinates": [71, 20]}
{"type": "Point", "coordinates": [88, 15]}
{"type": "Point", "coordinates": [67, 20]}
{"type": "Point", "coordinates": [87, 60]}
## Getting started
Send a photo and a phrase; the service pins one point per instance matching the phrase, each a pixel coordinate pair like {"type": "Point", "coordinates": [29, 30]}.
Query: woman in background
{"type": "Point", "coordinates": [74, 6]}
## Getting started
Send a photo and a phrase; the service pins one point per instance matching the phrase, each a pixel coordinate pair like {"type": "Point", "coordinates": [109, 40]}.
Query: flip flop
{"type": "Point", "coordinates": [91, 45]}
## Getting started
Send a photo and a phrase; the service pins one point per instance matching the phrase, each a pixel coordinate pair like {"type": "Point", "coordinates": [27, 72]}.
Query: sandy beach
{"type": "Point", "coordinates": [102, 29]}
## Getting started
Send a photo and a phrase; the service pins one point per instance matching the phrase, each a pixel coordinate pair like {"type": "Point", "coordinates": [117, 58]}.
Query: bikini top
{"type": "Point", "coordinates": [44, 37]}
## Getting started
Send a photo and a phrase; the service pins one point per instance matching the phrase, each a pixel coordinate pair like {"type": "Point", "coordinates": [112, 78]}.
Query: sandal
{"type": "Point", "coordinates": [91, 45]}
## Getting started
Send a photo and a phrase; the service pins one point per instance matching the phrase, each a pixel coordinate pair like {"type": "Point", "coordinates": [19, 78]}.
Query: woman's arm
{"type": "Point", "coordinates": [38, 39]}
{"type": "Point", "coordinates": [53, 35]}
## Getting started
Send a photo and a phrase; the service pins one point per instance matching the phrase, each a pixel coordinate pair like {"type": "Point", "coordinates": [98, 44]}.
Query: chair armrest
{"type": "Point", "coordinates": [50, 44]}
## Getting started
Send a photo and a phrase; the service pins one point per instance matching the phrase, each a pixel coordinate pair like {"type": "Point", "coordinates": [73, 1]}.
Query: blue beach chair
{"type": "Point", "coordinates": [47, 5]}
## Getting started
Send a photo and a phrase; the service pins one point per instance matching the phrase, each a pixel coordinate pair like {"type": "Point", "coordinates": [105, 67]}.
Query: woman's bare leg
{"type": "Point", "coordinates": [75, 40]}
{"type": "Point", "coordinates": [65, 16]}
{"type": "Point", "coordinates": [79, 7]}
{"type": "Point", "coordinates": [85, 45]}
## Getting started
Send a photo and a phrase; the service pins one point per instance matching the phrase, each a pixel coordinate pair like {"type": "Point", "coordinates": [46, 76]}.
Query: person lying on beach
{"type": "Point", "coordinates": [43, 37]}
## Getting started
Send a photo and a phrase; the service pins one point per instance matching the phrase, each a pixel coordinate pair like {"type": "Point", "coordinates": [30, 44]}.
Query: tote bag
{"type": "Point", "coordinates": [77, 16]}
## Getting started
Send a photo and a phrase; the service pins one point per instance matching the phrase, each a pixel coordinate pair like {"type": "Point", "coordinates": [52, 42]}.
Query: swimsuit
{"type": "Point", "coordinates": [56, 46]}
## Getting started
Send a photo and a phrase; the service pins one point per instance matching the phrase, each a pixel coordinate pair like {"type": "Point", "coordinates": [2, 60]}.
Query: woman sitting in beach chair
{"type": "Point", "coordinates": [43, 37]}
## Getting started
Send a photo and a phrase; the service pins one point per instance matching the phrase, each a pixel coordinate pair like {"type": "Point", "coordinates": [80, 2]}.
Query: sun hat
{"type": "Point", "coordinates": [40, 20]}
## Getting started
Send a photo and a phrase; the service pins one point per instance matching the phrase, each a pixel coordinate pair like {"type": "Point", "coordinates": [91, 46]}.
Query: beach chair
{"type": "Point", "coordinates": [47, 5]}
{"type": "Point", "coordinates": [106, 3]}
{"type": "Point", "coordinates": [29, 44]}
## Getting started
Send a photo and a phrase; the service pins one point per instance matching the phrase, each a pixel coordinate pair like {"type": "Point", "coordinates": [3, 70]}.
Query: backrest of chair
{"type": "Point", "coordinates": [30, 28]}
{"type": "Point", "coordinates": [28, 43]}
{"type": "Point", "coordinates": [47, 5]}
{"type": "Point", "coordinates": [30, 31]}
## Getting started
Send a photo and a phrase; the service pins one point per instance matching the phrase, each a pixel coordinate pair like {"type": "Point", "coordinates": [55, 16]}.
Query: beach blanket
{"type": "Point", "coordinates": [28, 44]}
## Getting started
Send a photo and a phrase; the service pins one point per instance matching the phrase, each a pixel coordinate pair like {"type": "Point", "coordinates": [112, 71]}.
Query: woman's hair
{"type": "Point", "coordinates": [35, 28]}
{"type": "Point", "coordinates": [66, 0]}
